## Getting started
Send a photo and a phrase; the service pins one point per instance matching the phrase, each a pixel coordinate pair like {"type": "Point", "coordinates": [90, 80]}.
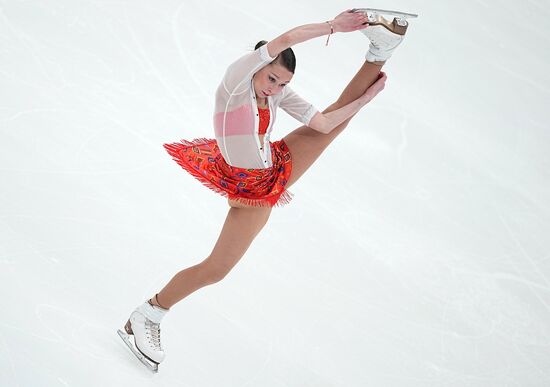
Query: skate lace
{"type": "Point", "coordinates": [154, 334]}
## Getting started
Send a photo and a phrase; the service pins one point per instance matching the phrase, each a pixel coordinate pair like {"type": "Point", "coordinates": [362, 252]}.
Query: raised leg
{"type": "Point", "coordinates": [241, 226]}
{"type": "Point", "coordinates": [306, 144]}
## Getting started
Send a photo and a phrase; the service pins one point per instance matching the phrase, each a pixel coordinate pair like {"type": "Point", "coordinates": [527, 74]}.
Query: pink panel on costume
{"type": "Point", "coordinates": [237, 122]}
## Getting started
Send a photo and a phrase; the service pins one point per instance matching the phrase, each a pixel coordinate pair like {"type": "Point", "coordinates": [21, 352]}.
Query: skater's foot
{"type": "Point", "coordinates": [384, 36]}
{"type": "Point", "coordinates": [144, 325]}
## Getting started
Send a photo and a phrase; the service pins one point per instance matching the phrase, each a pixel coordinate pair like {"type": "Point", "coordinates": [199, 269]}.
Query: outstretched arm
{"type": "Point", "coordinates": [325, 122]}
{"type": "Point", "coordinates": [347, 21]}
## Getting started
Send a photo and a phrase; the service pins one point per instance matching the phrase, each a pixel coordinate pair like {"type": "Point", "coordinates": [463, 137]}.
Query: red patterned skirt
{"type": "Point", "coordinates": [254, 187]}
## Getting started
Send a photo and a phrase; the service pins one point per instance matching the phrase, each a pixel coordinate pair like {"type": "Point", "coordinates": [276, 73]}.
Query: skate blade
{"type": "Point", "coordinates": [404, 15]}
{"type": "Point", "coordinates": [153, 367]}
{"type": "Point", "coordinates": [398, 26]}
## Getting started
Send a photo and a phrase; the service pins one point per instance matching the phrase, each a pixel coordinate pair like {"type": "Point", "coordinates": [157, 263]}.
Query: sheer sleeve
{"type": "Point", "coordinates": [297, 107]}
{"type": "Point", "coordinates": [239, 73]}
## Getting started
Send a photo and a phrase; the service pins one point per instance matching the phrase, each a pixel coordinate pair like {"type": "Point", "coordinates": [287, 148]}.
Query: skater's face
{"type": "Point", "coordinates": [271, 80]}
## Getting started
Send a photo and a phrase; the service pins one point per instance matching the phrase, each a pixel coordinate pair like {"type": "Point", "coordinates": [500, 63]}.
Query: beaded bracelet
{"type": "Point", "coordinates": [331, 31]}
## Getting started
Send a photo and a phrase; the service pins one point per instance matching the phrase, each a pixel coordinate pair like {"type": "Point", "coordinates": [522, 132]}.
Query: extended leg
{"type": "Point", "coordinates": [241, 226]}
{"type": "Point", "coordinates": [306, 144]}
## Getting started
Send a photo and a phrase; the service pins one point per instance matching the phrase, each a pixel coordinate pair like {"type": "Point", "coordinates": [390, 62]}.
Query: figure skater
{"type": "Point", "coordinates": [242, 163]}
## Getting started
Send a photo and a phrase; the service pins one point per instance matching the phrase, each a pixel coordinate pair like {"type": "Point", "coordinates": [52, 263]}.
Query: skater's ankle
{"type": "Point", "coordinates": [376, 62]}
{"type": "Point", "coordinates": [154, 301]}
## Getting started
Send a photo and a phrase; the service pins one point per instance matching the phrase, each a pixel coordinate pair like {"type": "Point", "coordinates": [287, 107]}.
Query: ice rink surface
{"type": "Point", "coordinates": [415, 252]}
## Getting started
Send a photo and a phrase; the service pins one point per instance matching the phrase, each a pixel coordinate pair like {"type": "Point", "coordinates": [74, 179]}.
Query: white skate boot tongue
{"type": "Point", "coordinates": [152, 312]}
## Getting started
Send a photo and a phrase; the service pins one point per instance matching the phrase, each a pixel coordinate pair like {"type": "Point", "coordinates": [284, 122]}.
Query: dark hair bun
{"type": "Point", "coordinates": [260, 44]}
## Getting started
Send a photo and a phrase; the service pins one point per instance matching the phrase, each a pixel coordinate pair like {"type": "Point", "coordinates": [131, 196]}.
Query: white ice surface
{"type": "Point", "coordinates": [416, 252]}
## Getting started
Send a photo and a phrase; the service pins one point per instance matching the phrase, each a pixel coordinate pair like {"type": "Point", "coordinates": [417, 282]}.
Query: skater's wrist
{"type": "Point", "coordinates": [374, 89]}
{"type": "Point", "coordinates": [332, 27]}
{"type": "Point", "coordinates": [332, 30]}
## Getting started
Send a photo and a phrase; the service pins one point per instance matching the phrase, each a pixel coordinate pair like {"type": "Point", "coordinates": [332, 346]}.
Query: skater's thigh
{"type": "Point", "coordinates": [305, 146]}
{"type": "Point", "coordinates": [236, 204]}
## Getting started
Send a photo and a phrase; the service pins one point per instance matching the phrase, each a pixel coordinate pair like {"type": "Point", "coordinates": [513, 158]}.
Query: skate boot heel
{"type": "Point", "coordinates": [128, 328]}
{"type": "Point", "coordinates": [384, 35]}
{"type": "Point", "coordinates": [400, 26]}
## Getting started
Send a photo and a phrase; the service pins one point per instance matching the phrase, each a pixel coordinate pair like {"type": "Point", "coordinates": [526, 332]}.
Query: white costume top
{"type": "Point", "coordinates": [236, 119]}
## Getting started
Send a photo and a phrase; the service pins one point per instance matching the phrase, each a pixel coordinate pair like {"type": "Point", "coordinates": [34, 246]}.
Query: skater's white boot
{"type": "Point", "coordinates": [144, 325]}
{"type": "Point", "coordinates": [384, 35]}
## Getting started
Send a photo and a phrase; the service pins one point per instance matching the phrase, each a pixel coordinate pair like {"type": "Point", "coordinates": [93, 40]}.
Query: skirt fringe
{"type": "Point", "coordinates": [202, 159]}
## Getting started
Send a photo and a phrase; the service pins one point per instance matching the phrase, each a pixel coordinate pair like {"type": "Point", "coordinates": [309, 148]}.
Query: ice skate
{"type": "Point", "coordinates": [384, 36]}
{"type": "Point", "coordinates": [144, 327]}
{"type": "Point", "coordinates": [377, 11]}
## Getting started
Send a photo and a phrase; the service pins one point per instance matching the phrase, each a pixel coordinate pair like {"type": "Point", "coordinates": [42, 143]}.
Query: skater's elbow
{"type": "Point", "coordinates": [279, 44]}
{"type": "Point", "coordinates": [320, 123]}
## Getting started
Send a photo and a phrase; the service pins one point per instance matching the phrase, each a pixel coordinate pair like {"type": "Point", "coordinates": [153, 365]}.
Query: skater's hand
{"type": "Point", "coordinates": [349, 21]}
{"type": "Point", "coordinates": [375, 88]}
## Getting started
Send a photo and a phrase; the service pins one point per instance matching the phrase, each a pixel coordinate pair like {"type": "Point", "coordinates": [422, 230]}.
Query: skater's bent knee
{"type": "Point", "coordinates": [214, 272]}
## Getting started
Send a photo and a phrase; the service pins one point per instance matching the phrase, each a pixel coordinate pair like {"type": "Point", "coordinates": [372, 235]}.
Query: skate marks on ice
{"type": "Point", "coordinates": [55, 343]}
{"type": "Point", "coordinates": [67, 328]}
